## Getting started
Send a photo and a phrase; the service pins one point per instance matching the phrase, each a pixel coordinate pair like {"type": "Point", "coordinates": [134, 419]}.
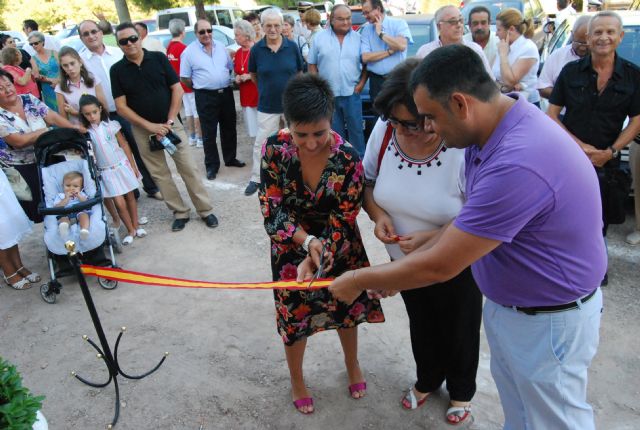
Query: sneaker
{"type": "Point", "coordinates": [63, 229]}
{"type": "Point", "coordinates": [84, 234]}
{"type": "Point", "coordinates": [633, 238]}
{"type": "Point", "coordinates": [143, 220]}
{"type": "Point", "coordinates": [141, 232]}
{"type": "Point", "coordinates": [128, 240]}
{"type": "Point", "coordinates": [199, 143]}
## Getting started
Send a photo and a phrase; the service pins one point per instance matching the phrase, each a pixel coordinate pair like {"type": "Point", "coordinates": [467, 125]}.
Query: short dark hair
{"type": "Point", "coordinates": [87, 100]}
{"type": "Point", "coordinates": [454, 68]}
{"type": "Point", "coordinates": [307, 98]}
{"type": "Point", "coordinates": [562, 3]}
{"type": "Point", "coordinates": [143, 25]}
{"type": "Point", "coordinates": [29, 23]}
{"type": "Point", "coordinates": [395, 89]}
{"type": "Point", "coordinates": [3, 39]}
{"type": "Point", "coordinates": [6, 74]}
{"type": "Point", "coordinates": [124, 26]}
{"type": "Point", "coordinates": [479, 9]}
{"type": "Point", "coordinates": [251, 17]}
{"type": "Point", "coordinates": [375, 4]}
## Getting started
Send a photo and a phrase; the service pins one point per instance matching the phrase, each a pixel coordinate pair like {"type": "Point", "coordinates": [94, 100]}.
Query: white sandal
{"type": "Point", "coordinates": [128, 240]}
{"type": "Point", "coordinates": [32, 277]}
{"type": "Point", "coordinates": [141, 232]}
{"type": "Point", "coordinates": [22, 284]}
{"type": "Point", "coordinates": [458, 414]}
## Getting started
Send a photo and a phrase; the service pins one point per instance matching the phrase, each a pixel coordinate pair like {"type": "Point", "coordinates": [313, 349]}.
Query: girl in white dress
{"type": "Point", "coordinates": [115, 162]}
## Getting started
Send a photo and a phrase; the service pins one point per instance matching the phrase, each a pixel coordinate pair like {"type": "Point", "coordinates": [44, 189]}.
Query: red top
{"type": "Point", "coordinates": [174, 50]}
{"type": "Point", "coordinates": [248, 90]}
{"type": "Point", "coordinates": [30, 88]}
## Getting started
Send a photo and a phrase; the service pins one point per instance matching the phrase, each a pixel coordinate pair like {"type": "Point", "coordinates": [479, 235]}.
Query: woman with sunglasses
{"type": "Point", "coordinates": [45, 69]}
{"type": "Point", "coordinates": [310, 194]}
{"type": "Point", "coordinates": [414, 187]}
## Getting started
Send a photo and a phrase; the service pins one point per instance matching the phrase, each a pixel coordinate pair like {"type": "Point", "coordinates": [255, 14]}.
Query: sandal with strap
{"type": "Point", "coordinates": [32, 276]}
{"type": "Point", "coordinates": [22, 284]}
{"type": "Point", "coordinates": [306, 401]}
{"type": "Point", "coordinates": [410, 402]}
{"type": "Point", "coordinates": [358, 386]}
{"type": "Point", "coordinates": [458, 414]}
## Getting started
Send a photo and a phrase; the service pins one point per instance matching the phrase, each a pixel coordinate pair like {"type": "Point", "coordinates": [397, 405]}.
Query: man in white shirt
{"type": "Point", "coordinates": [98, 59]}
{"type": "Point", "coordinates": [450, 29]}
{"type": "Point", "coordinates": [560, 57]}
{"type": "Point", "coordinates": [149, 43]}
{"type": "Point", "coordinates": [50, 42]}
{"type": "Point", "coordinates": [565, 8]}
{"type": "Point", "coordinates": [480, 32]}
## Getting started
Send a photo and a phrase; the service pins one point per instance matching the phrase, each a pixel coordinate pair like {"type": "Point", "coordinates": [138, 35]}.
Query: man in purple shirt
{"type": "Point", "coordinates": [531, 229]}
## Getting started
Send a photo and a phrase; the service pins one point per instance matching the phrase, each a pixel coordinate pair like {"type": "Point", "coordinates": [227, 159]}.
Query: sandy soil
{"type": "Point", "coordinates": [227, 369]}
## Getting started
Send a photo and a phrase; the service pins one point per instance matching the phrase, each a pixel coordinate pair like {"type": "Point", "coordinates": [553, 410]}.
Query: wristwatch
{"type": "Point", "coordinates": [381, 35]}
{"type": "Point", "coordinates": [614, 152]}
{"type": "Point", "coordinates": [170, 122]}
{"type": "Point", "coordinates": [307, 241]}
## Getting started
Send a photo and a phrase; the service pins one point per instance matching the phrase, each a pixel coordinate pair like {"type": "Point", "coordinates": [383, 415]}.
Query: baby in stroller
{"type": "Point", "coordinates": [73, 186]}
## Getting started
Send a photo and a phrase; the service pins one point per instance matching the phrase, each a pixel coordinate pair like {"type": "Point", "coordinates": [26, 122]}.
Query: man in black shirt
{"type": "Point", "coordinates": [148, 94]}
{"type": "Point", "coordinates": [599, 92]}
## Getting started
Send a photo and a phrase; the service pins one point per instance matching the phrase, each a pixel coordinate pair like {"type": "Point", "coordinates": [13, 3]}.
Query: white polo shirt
{"type": "Point", "coordinates": [523, 48]}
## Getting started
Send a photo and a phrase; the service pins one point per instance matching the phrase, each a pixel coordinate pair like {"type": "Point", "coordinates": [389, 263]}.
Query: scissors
{"type": "Point", "coordinates": [320, 267]}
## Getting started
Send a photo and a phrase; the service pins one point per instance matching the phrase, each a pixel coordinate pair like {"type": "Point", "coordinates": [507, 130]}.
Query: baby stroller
{"type": "Point", "coordinates": [57, 152]}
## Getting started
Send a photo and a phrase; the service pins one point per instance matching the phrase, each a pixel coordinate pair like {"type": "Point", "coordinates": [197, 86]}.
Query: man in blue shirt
{"type": "Point", "coordinates": [205, 67]}
{"type": "Point", "coordinates": [335, 55]}
{"type": "Point", "coordinates": [384, 43]}
{"type": "Point", "coordinates": [273, 61]}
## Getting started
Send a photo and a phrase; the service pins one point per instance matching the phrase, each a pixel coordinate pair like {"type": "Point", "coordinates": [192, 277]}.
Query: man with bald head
{"type": "Point", "coordinates": [205, 67]}
{"type": "Point", "coordinates": [559, 58]}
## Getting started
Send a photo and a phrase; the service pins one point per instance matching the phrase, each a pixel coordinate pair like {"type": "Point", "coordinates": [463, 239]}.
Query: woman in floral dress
{"type": "Point", "coordinates": [311, 191]}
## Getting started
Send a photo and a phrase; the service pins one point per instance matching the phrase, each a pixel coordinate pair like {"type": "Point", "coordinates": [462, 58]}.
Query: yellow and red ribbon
{"type": "Point", "coordinates": [164, 281]}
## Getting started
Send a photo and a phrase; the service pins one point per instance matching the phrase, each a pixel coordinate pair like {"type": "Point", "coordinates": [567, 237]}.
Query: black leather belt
{"type": "Point", "coordinates": [218, 91]}
{"type": "Point", "coordinates": [555, 308]}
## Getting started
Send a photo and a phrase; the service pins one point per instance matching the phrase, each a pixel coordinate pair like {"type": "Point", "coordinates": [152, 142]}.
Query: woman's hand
{"type": "Point", "coordinates": [70, 110]}
{"type": "Point", "coordinates": [238, 79]}
{"type": "Point", "coordinates": [380, 294]}
{"type": "Point", "coordinates": [344, 288]}
{"type": "Point", "coordinates": [503, 48]}
{"type": "Point", "coordinates": [384, 230]}
{"type": "Point", "coordinates": [415, 240]}
{"type": "Point", "coordinates": [315, 249]}
{"type": "Point", "coordinates": [306, 270]}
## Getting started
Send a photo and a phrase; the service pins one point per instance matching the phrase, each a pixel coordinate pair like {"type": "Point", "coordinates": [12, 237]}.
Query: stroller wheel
{"type": "Point", "coordinates": [107, 284]}
{"type": "Point", "coordinates": [48, 295]}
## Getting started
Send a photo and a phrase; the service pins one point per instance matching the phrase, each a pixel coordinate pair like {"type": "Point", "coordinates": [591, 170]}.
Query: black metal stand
{"type": "Point", "coordinates": [111, 360]}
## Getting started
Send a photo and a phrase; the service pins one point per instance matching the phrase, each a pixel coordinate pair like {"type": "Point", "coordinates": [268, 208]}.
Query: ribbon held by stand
{"type": "Point", "coordinates": [164, 281]}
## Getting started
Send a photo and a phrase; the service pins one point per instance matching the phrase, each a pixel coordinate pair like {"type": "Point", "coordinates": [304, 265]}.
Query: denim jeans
{"type": "Point", "coordinates": [347, 121]}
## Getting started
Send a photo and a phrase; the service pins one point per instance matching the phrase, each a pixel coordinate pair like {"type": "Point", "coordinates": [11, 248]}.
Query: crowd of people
{"type": "Point", "coordinates": [472, 188]}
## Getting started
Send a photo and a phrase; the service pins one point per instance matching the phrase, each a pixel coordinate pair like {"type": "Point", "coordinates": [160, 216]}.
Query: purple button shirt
{"type": "Point", "coordinates": [532, 188]}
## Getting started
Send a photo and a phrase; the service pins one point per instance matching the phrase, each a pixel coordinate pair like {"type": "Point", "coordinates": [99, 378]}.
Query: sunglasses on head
{"type": "Point", "coordinates": [125, 41]}
{"type": "Point", "coordinates": [90, 32]}
{"type": "Point", "coordinates": [409, 125]}
{"type": "Point", "coordinates": [204, 31]}
{"type": "Point", "coordinates": [35, 43]}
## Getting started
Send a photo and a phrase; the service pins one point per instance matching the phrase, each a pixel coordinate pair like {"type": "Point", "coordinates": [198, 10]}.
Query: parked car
{"type": "Point", "coordinates": [217, 15]}
{"type": "Point", "coordinates": [529, 9]}
{"type": "Point", "coordinates": [357, 18]}
{"type": "Point", "coordinates": [18, 36]}
{"type": "Point", "coordinates": [220, 33]}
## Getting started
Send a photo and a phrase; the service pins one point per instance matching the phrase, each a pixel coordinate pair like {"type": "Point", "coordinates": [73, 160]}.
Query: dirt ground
{"type": "Point", "coordinates": [226, 368]}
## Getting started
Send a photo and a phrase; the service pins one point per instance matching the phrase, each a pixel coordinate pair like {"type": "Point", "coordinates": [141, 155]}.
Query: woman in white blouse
{"type": "Point", "coordinates": [518, 57]}
{"type": "Point", "coordinates": [414, 187]}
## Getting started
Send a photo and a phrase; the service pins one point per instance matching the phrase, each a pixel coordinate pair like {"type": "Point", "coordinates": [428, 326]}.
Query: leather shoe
{"type": "Point", "coordinates": [211, 174]}
{"type": "Point", "coordinates": [211, 221]}
{"type": "Point", "coordinates": [251, 188]}
{"type": "Point", "coordinates": [235, 163]}
{"type": "Point", "coordinates": [179, 223]}
{"type": "Point", "coordinates": [157, 195]}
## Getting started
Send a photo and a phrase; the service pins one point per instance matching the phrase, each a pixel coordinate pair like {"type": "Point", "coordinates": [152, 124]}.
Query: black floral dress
{"type": "Point", "coordinates": [329, 213]}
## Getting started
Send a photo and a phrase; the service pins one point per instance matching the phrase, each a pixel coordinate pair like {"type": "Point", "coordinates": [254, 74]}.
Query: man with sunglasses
{"type": "Point", "coordinates": [205, 67]}
{"type": "Point", "coordinates": [384, 41]}
{"type": "Point", "coordinates": [98, 59]}
{"type": "Point", "coordinates": [559, 58]}
{"type": "Point", "coordinates": [50, 42]}
{"type": "Point", "coordinates": [148, 94]}
{"type": "Point", "coordinates": [451, 29]}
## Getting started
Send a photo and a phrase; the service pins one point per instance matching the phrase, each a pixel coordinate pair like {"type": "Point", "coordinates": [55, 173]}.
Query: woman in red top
{"type": "Point", "coordinates": [245, 34]}
{"type": "Point", "coordinates": [23, 81]}
{"type": "Point", "coordinates": [174, 50]}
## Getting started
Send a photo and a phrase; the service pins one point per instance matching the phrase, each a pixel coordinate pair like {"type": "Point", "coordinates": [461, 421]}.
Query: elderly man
{"type": "Point", "coordinates": [384, 43]}
{"type": "Point", "coordinates": [450, 30]}
{"type": "Point", "coordinates": [273, 61]}
{"type": "Point", "coordinates": [98, 59]}
{"type": "Point", "coordinates": [480, 32]}
{"type": "Point", "coordinates": [147, 92]}
{"type": "Point", "coordinates": [538, 264]}
{"type": "Point", "coordinates": [148, 43]}
{"type": "Point", "coordinates": [335, 55]}
{"type": "Point", "coordinates": [206, 68]}
{"type": "Point", "coordinates": [561, 57]}
{"type": "Point", "coordinates": [50, 42]}
{"type": "Point", "coordinates": [598, 93]}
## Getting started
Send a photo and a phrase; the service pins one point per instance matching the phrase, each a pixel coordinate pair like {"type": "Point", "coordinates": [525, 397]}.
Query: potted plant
{"type": "Point", "coordinates": [19, 409]}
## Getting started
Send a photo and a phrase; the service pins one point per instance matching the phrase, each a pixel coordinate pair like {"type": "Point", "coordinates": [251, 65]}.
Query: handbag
{"type": "Point", "coordinates": [615, 186]}
{"type": "Point", "coordinates": [18, 184]}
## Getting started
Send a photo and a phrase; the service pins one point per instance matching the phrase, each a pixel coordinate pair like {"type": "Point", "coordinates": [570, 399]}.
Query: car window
{"type": "Point", "coordinates": [528, 11]}
{"type": "Point", "coordinates": [494, 7]}
{"type": "Point", "coordinates": [224, 18]}
{"type": "Point", "coordinates": [211, 16]}
{"type": "Point", "coordinates": [629, 48]}
{"type": "Point", "coordinates": [221, 37]}
{"type": "Point", "coordinates": [560, 37]}
{"type": "Point", "coordinates": [239, 14]}
{"type": "Point", "coordinates": [163, 20]}
{"type": "Point", "coordinates": [189, 36]}
{"type": "Point", "coordinates": [421, 34]}
{"type": "Point", "coordinates": [537, 8]}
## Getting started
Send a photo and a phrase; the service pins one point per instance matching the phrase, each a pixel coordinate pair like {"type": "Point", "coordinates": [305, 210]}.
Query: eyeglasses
{"type": "Point", "coordinates": [320, 267]}
{"type": "Point", "coordinates": [35, 43]}
{"type": "Point", "coordinates": [127, 40]}
{"type": "Point", "coordinates": [576, 43]}
{"type": "Point", "coordinates": [90, 32]}
{"type": "Point", "coordinates": [409, 125]}
{"type": "Point", "coordinates": [453, 22]}
{"type": "Point", "coordinates": [205, 31]}
{"type": "Point", "coordinates": [342, 19]}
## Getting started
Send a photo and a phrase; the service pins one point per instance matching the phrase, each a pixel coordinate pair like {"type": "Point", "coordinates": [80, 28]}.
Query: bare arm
{"type": "Point", "coordinates": [628, 134]}
{"type": "Point", "coordinates": [396, 43]}
{"type": "Point", "coordinates": [313, 68]}
{"type": "Point", "coordinates": [511, 75]}
{"type": "Point", "coordinates": [187, 81]}
{"type": "Point", "coordinates": [61, 102]}
{"type": "Point", "coordinates": [371, 57]}
{"type": "Point", "coordinates": [363, 80]}
{"type": "Point", "coordinates": [176, 101]}
{"type": "Point", "coordinates": [24, 79]}
{"type": "Point", "coordinates": [545, 92]}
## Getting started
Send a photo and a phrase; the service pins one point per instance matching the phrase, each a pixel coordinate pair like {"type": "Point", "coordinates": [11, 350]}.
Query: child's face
{"type": "Point", "coordinates": [72, 186]}
{"type": "Point", "coordinates": [92, 113]}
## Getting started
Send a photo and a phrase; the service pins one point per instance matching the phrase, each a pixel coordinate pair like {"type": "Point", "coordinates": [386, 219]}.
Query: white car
{"type": "Point", "coordinates": [220, 33]}
{"type": "Point", "coordinates": [18, 36]}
